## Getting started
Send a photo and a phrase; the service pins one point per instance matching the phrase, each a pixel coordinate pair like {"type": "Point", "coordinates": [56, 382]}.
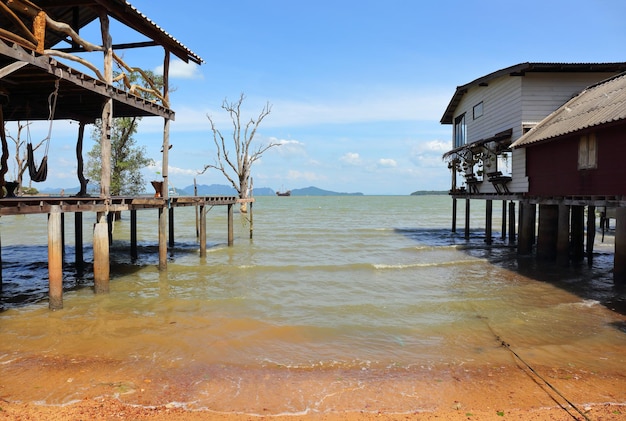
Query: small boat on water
{"type": "Point", "coordinates": [284, 193]}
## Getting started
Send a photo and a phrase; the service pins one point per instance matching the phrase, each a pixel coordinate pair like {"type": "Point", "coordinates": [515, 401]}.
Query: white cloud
{"type": "Point", "coordinates": [181, 70]}
{"type": "Point", "coordinates": [305, 175]}
{"type": "Point", "coordinates": [351, 158]}
{"type": "Point", "coordinates": [387, 162]}
{"type": "Point", "coordinates": [288, 147]}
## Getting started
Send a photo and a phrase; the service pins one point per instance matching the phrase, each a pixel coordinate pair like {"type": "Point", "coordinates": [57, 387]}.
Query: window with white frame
{"type": "Point", "coordinates": [588, 152]}
{"type": "Point", "coordinates": [460, 136]}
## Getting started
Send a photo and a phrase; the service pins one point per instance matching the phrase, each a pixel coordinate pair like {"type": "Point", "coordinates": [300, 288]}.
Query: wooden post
{"type": "Point", "coordinates": [162, 239]}
{"type": "Point", "coordinates": [504, 211]}
{"type": "Point", "coordinates": [591, 232]}
{"type": "Point", "coordinates": [511, 222]}
{"type": "Point", "coordinates": [107, 110]}
{"type": "Point", "coordinates": [563, 242]}
{"type": "Point", "coordinates": [467, 219]}
{"type": "Point", "coordinates": [251, 221]}
{"type": "Point", "coordinates": [454, 214]}
{"type": "Point", "coordinates": [548, 230]}
{"type": "Point", "coordinates": [0, 265]}
{"type": "Point", "coordinates": [619, 262]}
{"type": "Point", "coordinates": [202, 231]}
{"type": "Point", "coordinates": [165, 170]}
{"type": "Point", "coordinates": [195, 193]}
{"type": "Point", "coordinates": [55, 259]}
{"type": "Point", "coordinates": [488, 222]}
{"type": "Point", "coordinates": [526, 228]}
{"type": "Point", "coordinates": [230, 226]}
{"type": "Point", "coordinates": [133, 234]}
{"type": "Point", "coordinates": [101, 264]}
{"type": "Point", "coordinates": [171, 226]}
{"type": "Point", "coordinates": [578, 233]}
{"type": "Point", "coordinates": [79, 261]}
{"type": "Point", "coordinates": [63, 236]}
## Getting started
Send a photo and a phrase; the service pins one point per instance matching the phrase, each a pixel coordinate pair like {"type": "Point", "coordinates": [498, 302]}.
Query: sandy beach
{"type": "Point", "coordinates": [33, 390]}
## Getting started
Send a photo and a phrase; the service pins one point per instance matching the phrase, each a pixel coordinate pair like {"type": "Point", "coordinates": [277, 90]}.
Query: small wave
{"type": "Point", "coordinates": [424, 265]}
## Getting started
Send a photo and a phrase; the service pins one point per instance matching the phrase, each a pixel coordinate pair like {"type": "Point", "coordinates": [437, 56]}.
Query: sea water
{"type": "Point", "coordinates": [375, 284]}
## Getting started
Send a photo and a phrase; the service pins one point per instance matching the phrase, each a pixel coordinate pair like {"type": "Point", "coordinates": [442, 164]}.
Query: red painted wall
{"type": "Point", "coordinates": [552, 167]}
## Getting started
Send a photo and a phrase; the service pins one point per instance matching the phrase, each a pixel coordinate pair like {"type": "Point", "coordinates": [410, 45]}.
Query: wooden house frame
{"type": "Point", "coordinates": [492, 114]}
{"type": "Point", "coordinates": [39, 43]}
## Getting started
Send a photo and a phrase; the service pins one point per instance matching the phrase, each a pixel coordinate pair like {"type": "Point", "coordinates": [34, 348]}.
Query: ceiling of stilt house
{"type": "Point", "coordinates": [28, 78]}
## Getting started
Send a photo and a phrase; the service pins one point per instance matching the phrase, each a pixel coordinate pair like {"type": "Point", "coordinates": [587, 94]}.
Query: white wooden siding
{"type": "Point", "coordinates": [509, 101]}
{"type": "Point", "coordinates": [543, 93]}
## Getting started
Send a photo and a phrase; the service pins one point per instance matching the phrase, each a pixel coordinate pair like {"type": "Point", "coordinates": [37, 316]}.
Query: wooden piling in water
{"type": "Point", "coordinates": [55, 259]}
{"type": "Point", "coordinates": [577, 234]}
{"type": "Point", "coordinates": [454, 210]}
{"type": "Point", "coordinates": [619, 260]}
{"type": "Point", "coordinates": [79, 261]}
{"type": "Point", "coordinates": [231, 236]}
{"type": "Point", "coordinates": [512, 234]}
{"type": "Point", "coordinates": [162, 239]}
{"type": "Point", "coordinates": [202, 230]}
{"type": "Point", "coordinates": [504, 213]}
{"type": "Point", "coordinates": [133, 234]}
{"type": "Point", "coordinates": [591, 233]}
{"type": "Point", "coordinates": [488, 222]}
{"type": "Point", "coordinates": [171, 226]}
{"type": "Point", "coordinates": [526, 229]}
{"type": "Point", "coordinates": [467, 219]}
{"type": "Point", "coordinates": [563, 237]}
{"type": "Point", "coordinates": [101, 264]}
{"type": "Point", "coordinates": [548, 230]}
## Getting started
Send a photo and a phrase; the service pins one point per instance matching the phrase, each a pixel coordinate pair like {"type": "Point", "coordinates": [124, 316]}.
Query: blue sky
{"type": "Point", "coordinates": [357, 87]}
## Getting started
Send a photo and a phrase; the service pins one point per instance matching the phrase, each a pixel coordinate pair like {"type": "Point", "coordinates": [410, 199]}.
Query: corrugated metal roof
{"type": "Point", "coordinates": [190, 54]}
{"type": "Point", "coordinates": [599, 104]}
{"type": "Point", "coordinates": [79, 14]}
{"type": "Point", "coordinates": [521, 69]}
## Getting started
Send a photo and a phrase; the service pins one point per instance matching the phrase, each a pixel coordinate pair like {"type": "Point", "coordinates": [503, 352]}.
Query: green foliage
{"type": "Point", "coordinates": [127, 158]}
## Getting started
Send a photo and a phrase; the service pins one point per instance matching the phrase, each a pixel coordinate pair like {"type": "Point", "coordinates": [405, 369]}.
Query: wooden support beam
{"type": "Point", "coordinates": [454, 209]}
{"type": "Point", "coordinates": [55, 260]}
{"type": "Point", "coordinates": [591, 233]}
{"type": "Point", "coordinates": [619, 262]}
{"type": "Point", "coordinates": [512, 222]}
{"type": "Point", "coordinates": [504, 212]}
{"type": "Point", "coordinates": [202, 230]}
{"type": "Point", "coordinates": [577, 233]}
{"type": "Point", "coordinates": [526, 229]}
{"type": "Point", "coordinates": [467, 219]}
{"type": "Point", "coordinates": [563, 238]}
{"type": "Point", "coordinates": [231, 237]}
{"type": "Point", "coordinates": [162, 239]}
{"type": "Point", "coordinates": [548, 230]}
{"type": "Point", "coordinates": [488, 222]}
{"type": "Point", "coordinates": [251, 221]}
{"type": "Point", "coordinates": [171, 226]}
{"type": "Point", "coordinates": [101, 263]}
{"type": "Point", "coordinates": [133, 234]}
{"type": "Point", "coordinates": [79, 261]}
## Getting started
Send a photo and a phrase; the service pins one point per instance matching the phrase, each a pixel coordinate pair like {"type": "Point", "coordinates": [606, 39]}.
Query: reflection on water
{"type": "Point", "coordinates": [361, 284]}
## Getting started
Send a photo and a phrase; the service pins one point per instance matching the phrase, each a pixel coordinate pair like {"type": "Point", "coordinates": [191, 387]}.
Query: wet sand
{"type": "Point", "coordinates": [52, 388]}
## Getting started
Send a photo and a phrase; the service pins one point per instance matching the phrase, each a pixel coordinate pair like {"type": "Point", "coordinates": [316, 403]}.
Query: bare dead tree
{"type": "Point", "coordinates": [237, 166]}
{"type": "Point", "coordinates": [21, 158]}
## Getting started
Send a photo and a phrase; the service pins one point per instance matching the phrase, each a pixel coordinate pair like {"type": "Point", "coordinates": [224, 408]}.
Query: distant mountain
{"type": "Point", "coordinates": [221, 190]}
{"type": "Point", "coordinates": [428, 192]}
{"type": "Point", "coordinates": [314, 191]}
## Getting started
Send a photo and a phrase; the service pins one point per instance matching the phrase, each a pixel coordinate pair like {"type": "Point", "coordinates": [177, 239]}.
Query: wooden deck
{"type": "Point", "coordinates": [56, 206]}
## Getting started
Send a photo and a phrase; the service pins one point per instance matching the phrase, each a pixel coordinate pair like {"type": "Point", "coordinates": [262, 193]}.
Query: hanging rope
{"type": "Point", "coordinates": [40, 174]}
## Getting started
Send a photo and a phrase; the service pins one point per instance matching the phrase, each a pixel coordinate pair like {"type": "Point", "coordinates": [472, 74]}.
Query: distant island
{"type": "Point", "coordinates": [218, 190]}
{"type": "Point", "coordinates": [428, 193]}
{"type": "Point", "coordinates": [225, 190]}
